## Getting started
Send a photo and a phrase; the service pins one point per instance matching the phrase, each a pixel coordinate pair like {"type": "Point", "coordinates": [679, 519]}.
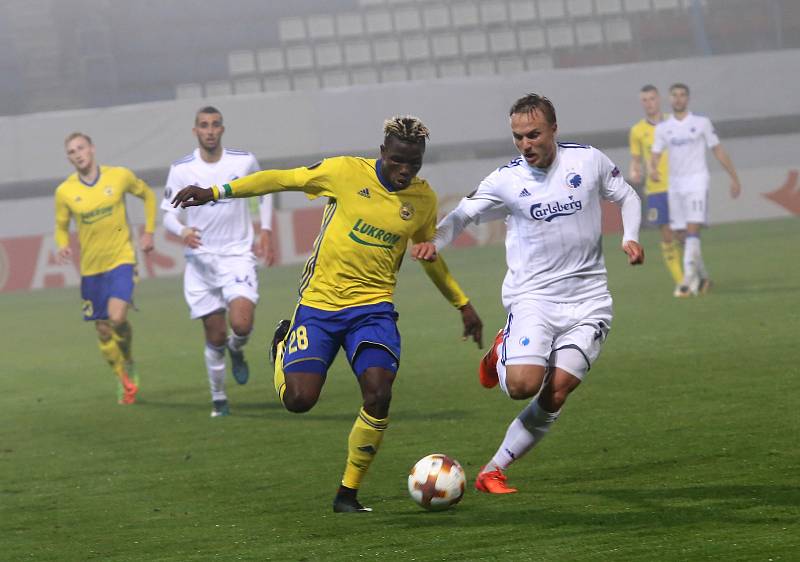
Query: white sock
{"type": "Point", "coordinates": [215, 366]}
{"type": "Point", "coordinates": [692, 258]}
{"type": "Point", "coordinates": [523, 434]}
{"type": "Point", "coordinates": [237, 342]}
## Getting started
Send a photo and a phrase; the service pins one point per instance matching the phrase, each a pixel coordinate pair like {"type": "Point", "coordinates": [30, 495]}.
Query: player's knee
{"type": "Point", "coordinates": [104, 330]}
{"type": "Point", "coordinates": [242, 327]}
{"type": "Point", "coordinates": [298, 400]}
{"type": "Point", "coordinates": [520, 388]}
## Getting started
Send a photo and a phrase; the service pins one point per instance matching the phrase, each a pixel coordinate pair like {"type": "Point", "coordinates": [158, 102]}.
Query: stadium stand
{"type": "Point", "coordinates": [107, 53]}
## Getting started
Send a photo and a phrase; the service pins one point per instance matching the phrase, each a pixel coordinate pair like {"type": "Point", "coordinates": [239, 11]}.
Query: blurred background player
{"type": "Point", "coordinates": [657, 214]}
{"type": "Point", "coordinates": [374, 208]}
{"type": "Point", "coordinates": [556, 288]}
{"type": "Point", "coordinates": [686, 136]}
{"type": "Point", "coordinates": [220, 273]}
{"type": "Point", "coordinates": [95, 197]}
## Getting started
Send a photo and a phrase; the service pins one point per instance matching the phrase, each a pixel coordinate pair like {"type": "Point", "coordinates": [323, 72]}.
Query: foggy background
{"type": "Point", "coordinates": [301, 80]}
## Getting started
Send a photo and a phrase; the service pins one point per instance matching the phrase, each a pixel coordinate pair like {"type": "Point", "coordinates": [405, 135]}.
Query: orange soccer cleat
{"type": "Point", "coordinates": [487, 369]}
{"type": "Point", "coordinates": [493, 482]}
{"type": "Point", "coordinates": [129, 391]}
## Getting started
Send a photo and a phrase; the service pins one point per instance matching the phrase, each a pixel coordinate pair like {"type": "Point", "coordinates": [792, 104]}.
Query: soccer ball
{"type": "Point", "coordinates": [436, 482]}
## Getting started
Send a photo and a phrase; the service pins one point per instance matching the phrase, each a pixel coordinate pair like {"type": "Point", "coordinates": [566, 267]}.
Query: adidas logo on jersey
{"type": "Point", "coordinates": [524, 193]}
{"type": "Point", "coordinates": [364, 192]}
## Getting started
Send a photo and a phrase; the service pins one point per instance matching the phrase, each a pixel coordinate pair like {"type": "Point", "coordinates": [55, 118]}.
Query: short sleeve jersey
{"type": "Point", "coordinates": [685, 141]}
{"type": "Point", "coordinates": [641, 138]}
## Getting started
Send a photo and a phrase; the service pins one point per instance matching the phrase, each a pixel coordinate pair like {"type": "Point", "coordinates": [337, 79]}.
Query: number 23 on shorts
{"type": "Point", "coordinates": [298, 339]}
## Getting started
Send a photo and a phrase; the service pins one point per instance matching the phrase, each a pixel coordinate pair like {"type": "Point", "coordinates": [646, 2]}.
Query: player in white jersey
{"type": "Point", "coordinates": [555, 290]}
{"type": "Point", "coordinates": [220, 273]}
{"type": "Point", "coordinates": [686, 136]}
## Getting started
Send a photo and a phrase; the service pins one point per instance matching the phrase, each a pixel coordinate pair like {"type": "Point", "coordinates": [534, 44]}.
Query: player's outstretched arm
{"type": "Point", "coordinates": [193, 196]}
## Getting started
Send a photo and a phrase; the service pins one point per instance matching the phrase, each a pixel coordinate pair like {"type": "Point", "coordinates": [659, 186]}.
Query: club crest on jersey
{"type": "Point", "coordinates": [406, 211]}
{"type": "Point", "coordinates": [574, 180]}
{"type": "Point", "coordinates": [549, 211]}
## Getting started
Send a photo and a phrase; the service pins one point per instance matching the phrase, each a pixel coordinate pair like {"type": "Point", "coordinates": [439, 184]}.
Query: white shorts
{"type": "Point", "coordinates": [211, 281]}
{"type": "Point", "coordinates": [537, 328]}
{"type": "Point", "coordinates": [688, 201]}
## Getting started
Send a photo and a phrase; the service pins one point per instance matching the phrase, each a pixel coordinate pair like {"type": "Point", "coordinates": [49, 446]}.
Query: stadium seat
{"type": "Point", "coordinates": [416, 47]}
{"type": "Point", "coordinates": [445, 45]}
{"type": "Point", "coordinates": [607, 7]}
{"type": "Point", "coordinates": [539, 62]}
{"type": "Point", "coordinates": [579, 8]}
{"type": "Point", "coordinates": [474, 43]}
{"type": "Point", "coordinates": [335, 79]}
{"type": "Point", "coordinates": [551, 9]}
{"type": "Point", "coordinates": [588, 33]}
{"type": "Point", "coordinates": [407, 19]}
{"type": "Point", "coordinates": [328, 55]}
{"type": "Point", "coordinates": [423, 71]}
{"type": "Point", "coordinates": [270, 60]}
{"type": "Point", "coordinates": [502, 41]}
{"type": "Point", "coordinates": [277, 83]}
{"type": "Point", "coordinates": [436, 17]}
{"type": "Point", "coordinates": [291, 29]}
{"type": "Point", "coordinates": [241, 62]}
{"type": "Point", "coordinates": [522, 11]}
{"type": "Point", "coordinates": [386, 50]}
{"type": "Point", "coordinates": [299, 57]}
{"type": "Point", "coordinates": [357, 53]}
{"type": "Point", "coordinates": [560, 35]}
{"type": "Point", "coordinates": [394, 73]}
{"type": "Point", "coordinates": [320, 26]}
{"type": "Point", "coordinates": [481, 67]}
{"type": "Point", "coordinates": [510, 65]}
{"type": "Point", "coordinates": [452, 69]}
{"type": "Point", "coordinates": [637, 5]}
{"type": "Point", "coordinates": [531, 39]}
{"type": "Point", "coordinates": [666, 5]}
{"type": "Point", "coordinates": [217, 88]}
{"type": "Point", "coordinates": [305, 81]}
{"type": "Point", "coordinates": [365, 75]}
{"type": "Point", "coordinates": [188, 91]}
{"type": "Point", "coordinates": [465, 14]}
{"type": "Point", "coordinates": [349, 25]}
{"type": "Point", "coordinates": [493, 12]}
{"type": "Point", "coordinates": [617, 31]}
{"type": "Point", "coordinates": [247, 86]}
{"type": "Point", "coordinates": [378, 22]}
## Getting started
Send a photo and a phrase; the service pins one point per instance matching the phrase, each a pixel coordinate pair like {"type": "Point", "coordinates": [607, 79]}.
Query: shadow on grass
{"type": "Point", "coordinates": [632, 508]}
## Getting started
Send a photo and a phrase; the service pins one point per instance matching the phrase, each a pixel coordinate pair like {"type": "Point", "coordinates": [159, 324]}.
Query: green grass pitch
{"type": "Point", "coordinates": [681, 445]}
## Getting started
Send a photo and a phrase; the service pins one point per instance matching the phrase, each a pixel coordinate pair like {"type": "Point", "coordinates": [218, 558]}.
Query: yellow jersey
{"type": "Point", "coordinates": [99, 212]}
{"type": "Point", "coordinates": [366, 227]}
{"type": "Point", "coordinates": [641, 139]}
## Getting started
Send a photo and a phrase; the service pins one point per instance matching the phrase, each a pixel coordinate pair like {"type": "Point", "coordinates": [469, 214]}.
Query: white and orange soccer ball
{"type": "Point", "coordinates": [436, 482]}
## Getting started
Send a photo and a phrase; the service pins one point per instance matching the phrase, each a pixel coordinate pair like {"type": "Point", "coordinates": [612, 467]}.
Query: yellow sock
{"type": "Point", "coordinates": [279, 378]}
{"type": "Point", "coordinates": [113, 355]}
{"type": "Point", "coordinates": [365, 438]}
{"type": "Point", "coordinates": [672, 257]}
{"type": "Point", "coordinates": [123, 336]}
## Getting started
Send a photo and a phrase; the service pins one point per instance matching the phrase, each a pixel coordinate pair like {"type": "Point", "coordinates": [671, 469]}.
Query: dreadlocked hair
{"type": "Point", "coordinates": [406, 128]}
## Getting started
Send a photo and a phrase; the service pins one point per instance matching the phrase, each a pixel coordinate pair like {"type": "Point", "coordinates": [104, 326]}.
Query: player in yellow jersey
{"type": "Point", "coordinates": [374, 208]}
{"type": "Point", "coordinates": [95, 197]}
{"type": "Point", "coordinates": [642, 135]}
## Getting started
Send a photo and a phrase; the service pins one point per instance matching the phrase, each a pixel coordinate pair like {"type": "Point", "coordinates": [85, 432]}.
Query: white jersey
{"type": "Point", "coordinates": [685, 141]}
{"type": "Point", "coordinates": [554, 234]}
{"type": "Point", "coordinates": [225, 226]}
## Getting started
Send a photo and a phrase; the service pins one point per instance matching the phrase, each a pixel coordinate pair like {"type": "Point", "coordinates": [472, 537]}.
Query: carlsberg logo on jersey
{"type": "Point", "coordinates": [389, 239]}
{"type": "Point", "coordinates": [549, 211]}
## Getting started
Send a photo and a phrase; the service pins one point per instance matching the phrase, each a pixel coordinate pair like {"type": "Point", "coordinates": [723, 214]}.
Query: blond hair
{"type": "Point", "coordinates": [406, 128]}
{"type": "Point", "coordinates": [75, 135]}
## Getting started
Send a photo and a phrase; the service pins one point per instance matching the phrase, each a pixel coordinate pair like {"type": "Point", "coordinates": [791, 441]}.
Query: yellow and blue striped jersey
{"type": "Point", "coordinates": [366, 227]}
{"type": "Point", "coordinates": [99, 212]}
{"type": "Point", "coordinates": [641, 139]}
